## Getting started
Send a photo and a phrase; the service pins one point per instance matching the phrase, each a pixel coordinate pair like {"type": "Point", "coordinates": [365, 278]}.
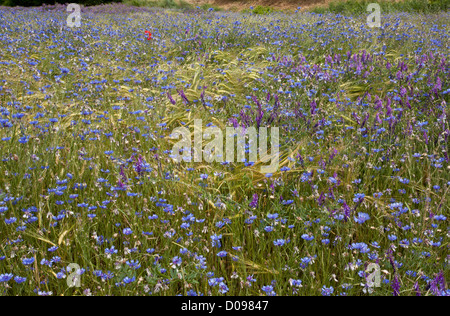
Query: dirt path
{"type": "Point", "coordinates": [238, 5]}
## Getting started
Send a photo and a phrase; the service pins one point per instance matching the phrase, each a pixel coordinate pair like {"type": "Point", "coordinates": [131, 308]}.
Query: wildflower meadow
{"type": "Point", "coordinates": [92, 201]}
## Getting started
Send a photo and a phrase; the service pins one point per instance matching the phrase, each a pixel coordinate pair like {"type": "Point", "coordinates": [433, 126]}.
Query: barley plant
{"type": "Point", "coordinates": [91, 202]}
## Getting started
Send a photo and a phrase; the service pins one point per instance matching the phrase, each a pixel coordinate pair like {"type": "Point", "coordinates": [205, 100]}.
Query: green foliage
{"type": "Point", "coordinates": [262, 10]}
{"type": "Point", "coordinates": [355, 7]}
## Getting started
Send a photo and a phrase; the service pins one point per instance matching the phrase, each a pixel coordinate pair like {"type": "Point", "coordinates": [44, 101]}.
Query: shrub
{"type": "Point", "coordinates": [260, 10]}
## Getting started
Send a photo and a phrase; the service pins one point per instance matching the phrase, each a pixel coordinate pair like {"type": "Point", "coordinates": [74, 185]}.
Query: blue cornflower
{"type": "Point", "coordinates": [184, 251]}
{"type": "Point", "coordinates": [307, 237]}
{"type": "Point", "coordinates": [111, 251]}
{"type": "Point", "coordinates": [19, 279]}
{"type": "Point", "coordinates": [213, 282]}
{"type": "Point", "coordinates": [127, 231]}
{"type": "Point", "coordinates": [222, 254]}
{"type": "Point", "coordinates": [11, 220]}
{"type": "Point", "coordinates": [128, 280]}
{"type": "Point", "coordinates": [327, 291]}
{"type": "Point", "coordinates": [304, 262]}
{"type": "Point", "coordinates": [358, 197]}
{"type": "Point", "coordinates": [272, 216]}
{"type": "Point", "coordinates": [440, 218]}
{"type": "Point", "coordinates": [362, 247]}
{"type": "Point", "coordinates": [133, 264]}
{"type": "Point", "coordinates": [392, 237]}
{"type": "Point", "coordinates": [362, 217]}
{"type": "Point", "coordinates": [6, 277]}
{"type": "Point", "coordinates": [296, 282]}
{"type": "Point", "coordinates": [269, 290]}
{"type": "Point", "coordinates": [279, 242]}
{"type": "Point", "coordinates": [176, 261]}
{"type": "Point", "coordinates": [53, 249]}
{"type": "Point", "coordinates": [223, 288]}
{"type": "Point", "coordinates": [28, 261]}
{"type": "Point", "coordinates": [216, 240]}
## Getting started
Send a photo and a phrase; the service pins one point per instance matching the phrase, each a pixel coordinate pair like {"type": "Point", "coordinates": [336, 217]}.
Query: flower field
{"type": "Point", "coordinates": [92, 203]}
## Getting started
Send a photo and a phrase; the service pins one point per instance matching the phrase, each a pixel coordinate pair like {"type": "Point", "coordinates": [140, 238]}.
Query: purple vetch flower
{"type": "Point", "coordinates": [170, 98]}
{"type": "Point", "coordinates": [234, 121]}
{"type": "Point", "coordinates": [321, 199]}
{"type": "Point", "coordinates": [313, 106]}
{"type": "Point", "coordinates": [438, 86]}
{"type": "Point", "coordinates": [245, 119]}
{"type": "Point", "coordinates": [347, 211]}
{"type": "Point", "coordinates": [396, 285]}
{"type": "Point", "coordinates": [122, 174]}
{"type": "Point", "coordinates": [300, 159]}
{"type": "Point", "coordinates": [121, 185]}
{"type": "Point", "coordinates": [139, 165]}
{"type": "Point", "coordinates": [425, 137]}
{"type": "Point", "coordinates": [438, 284]}
{"type": "Point", "coordinates": [183, 97]}
{"type": "Point", "coordinates": [202, 97]}
{"type": "Point", "coordinates": [378, 103]}
{"type": "Point", "coordinates": [417, 289]}
{"type": "Point", "coordinates": [254, 202]}
{"type": "Point", "coordinates": [333, 154]}
{"type": "Point", "coordinates": [274, 113]}
{"type": "Point", "coordinates": [388, 107]}
{"type": "Point", "coordinates": [365, 120]}
{"type": "Point", "coordinates": [259, 113]}
{"type": "Point", "coordinates": [391, 260]}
